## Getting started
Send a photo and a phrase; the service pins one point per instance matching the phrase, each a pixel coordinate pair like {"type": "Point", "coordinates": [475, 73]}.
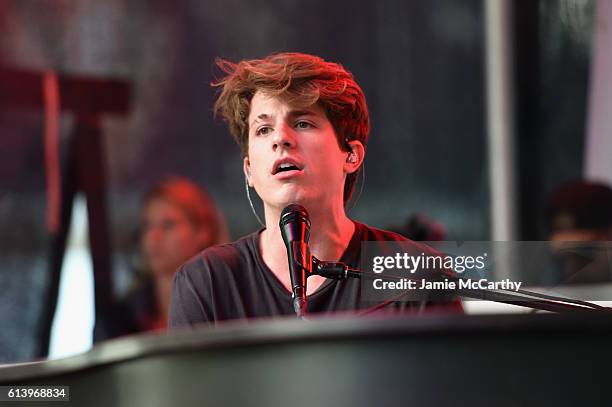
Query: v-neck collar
{"type": "Point", "coordinates": [278, 285]}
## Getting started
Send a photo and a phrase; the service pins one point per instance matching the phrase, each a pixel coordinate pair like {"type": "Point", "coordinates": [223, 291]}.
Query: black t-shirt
{"type": "Point", "coordinates": [231, 281]}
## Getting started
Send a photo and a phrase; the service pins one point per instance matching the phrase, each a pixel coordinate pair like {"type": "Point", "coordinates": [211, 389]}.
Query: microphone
{"type": "Point", "coordinates": [295, 229]}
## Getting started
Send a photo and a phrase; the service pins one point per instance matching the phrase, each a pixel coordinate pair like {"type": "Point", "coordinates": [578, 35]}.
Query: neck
{"type": "Point", "coordinates": [330, 234]}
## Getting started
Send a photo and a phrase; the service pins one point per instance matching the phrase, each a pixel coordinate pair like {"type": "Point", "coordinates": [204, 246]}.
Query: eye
{"type": "Point", "coordinates": [263, 130]}
{"type": "Point", "coordinates": [168, 224]}
{"type": "Point", "coordinates": [303, 125]}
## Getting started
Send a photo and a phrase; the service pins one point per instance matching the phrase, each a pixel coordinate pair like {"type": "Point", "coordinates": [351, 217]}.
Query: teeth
{"type": "Point", "coordinates": [285, 167]}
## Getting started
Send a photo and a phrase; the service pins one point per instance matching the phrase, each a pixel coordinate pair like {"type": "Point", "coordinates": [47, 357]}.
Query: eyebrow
{"type": "Point", "coordinates": [259, 118]}
{"type": "Point", "coordinates": [292, 114]}
{"type": "Point", "coordinates": [298, 113]}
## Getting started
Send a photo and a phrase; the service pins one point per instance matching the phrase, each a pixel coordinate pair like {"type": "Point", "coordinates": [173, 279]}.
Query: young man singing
{"type": "Point", "coordinates": [302, 125]}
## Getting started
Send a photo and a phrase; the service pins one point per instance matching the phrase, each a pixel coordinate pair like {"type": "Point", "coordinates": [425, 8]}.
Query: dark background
{"type": "Point", "coordinates": [420, 64]}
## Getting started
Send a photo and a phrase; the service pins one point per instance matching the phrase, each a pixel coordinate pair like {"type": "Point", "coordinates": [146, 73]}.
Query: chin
{"type": "Point", "coordinates": [299, 197]}
{"type": "Point", "coordinates": [285, 196]}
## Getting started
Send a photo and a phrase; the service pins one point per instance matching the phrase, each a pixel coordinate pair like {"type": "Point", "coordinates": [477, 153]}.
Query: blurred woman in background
{"type": "Point", "coordinates": [179, 220]}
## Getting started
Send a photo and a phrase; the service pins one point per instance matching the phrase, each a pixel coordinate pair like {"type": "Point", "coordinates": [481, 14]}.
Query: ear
{"type": "Point", "coordinates": [354, 157]}
{"type": "Point", "coordinates": [246, 167]}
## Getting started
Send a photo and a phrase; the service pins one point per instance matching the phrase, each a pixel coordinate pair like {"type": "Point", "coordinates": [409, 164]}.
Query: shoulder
{"type": "Point", "coordinates": [229, 257]}
{"type": "Point", "coordinates": [372, 234]}
{"type": "Point", "coordinates": [369, 233]}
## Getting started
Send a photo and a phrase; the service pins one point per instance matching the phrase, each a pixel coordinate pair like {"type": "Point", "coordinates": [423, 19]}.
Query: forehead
{"type": "Point", "coordinates": [161, 207]}
{"type": "Point", "coordinates": [266, 106]}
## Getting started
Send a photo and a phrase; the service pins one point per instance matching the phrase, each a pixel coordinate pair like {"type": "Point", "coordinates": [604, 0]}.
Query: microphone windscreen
{"type": "Point", "coordinates": [294, 213]}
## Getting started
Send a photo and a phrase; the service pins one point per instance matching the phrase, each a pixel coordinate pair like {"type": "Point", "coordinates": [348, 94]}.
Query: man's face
{"type": "Point", "coordinates": [293, 154]}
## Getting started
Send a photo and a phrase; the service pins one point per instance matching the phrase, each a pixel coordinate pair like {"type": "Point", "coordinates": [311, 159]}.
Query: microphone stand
{"type": "Point", "coordinates": [529, 299]}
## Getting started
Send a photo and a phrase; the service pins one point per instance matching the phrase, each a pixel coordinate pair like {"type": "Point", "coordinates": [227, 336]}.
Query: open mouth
{"type": "Point", "coordinates": [285, 166]}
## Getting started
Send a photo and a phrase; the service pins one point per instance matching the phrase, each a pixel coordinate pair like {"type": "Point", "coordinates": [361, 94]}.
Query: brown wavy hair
{"type": "Point", "coordinates": [302, 80]}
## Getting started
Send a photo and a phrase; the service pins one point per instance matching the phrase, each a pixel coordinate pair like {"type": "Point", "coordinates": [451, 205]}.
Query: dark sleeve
{"type": "Point", "coordinates": [189, 304]}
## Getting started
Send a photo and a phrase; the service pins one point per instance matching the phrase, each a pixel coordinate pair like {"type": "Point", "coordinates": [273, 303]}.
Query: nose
{"type": "Point", "coordinates": [284, 137]}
